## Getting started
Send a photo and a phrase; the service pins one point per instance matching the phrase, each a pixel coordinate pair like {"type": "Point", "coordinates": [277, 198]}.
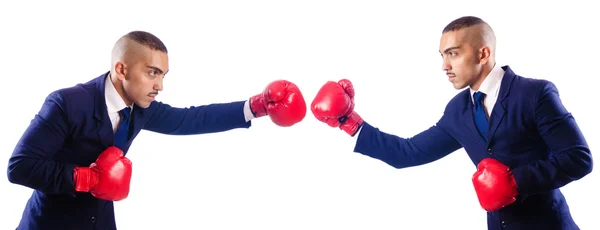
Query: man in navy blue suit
{"type": "Point", "coordinates": [524, 142]}
{"type": "Point", "coordinates": [73, 153]}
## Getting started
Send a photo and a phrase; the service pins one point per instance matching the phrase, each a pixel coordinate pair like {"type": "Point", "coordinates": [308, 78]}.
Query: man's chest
{"type": "Point", "coordinates": [512, 135]}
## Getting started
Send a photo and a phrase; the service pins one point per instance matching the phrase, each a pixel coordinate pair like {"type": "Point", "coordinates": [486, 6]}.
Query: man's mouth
{"type": "Point", "coordinates": [450, 76]}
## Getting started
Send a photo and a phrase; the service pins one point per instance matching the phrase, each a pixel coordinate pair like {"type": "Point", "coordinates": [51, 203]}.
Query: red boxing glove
{"type": "Point", "coordinates": [108, 178]}
{"type": "Point", "coordinates": [334, 105]}
{"type": "Point", "coordinates": [494, 184]}
{"type": "Point", "coordinates": [282, 101]}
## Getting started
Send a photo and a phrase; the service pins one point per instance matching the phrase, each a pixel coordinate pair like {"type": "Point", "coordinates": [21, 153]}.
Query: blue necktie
{"type": "Point", "coordinates": [122, 133]}
{"type": "Point", "coordinates": [480, 116]}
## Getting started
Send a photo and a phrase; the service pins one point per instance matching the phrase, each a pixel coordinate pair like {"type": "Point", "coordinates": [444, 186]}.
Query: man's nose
{"type": "Point", "coordinates": [446, 65]}
{"type": "Point", "coordinates": [158, 86]}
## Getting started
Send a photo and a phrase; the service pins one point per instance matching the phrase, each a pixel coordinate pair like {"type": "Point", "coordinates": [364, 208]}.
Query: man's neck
{"type": "Point", "coordinates": [119, 87]}
{"type": "Point", "coordinates": [486, 70]}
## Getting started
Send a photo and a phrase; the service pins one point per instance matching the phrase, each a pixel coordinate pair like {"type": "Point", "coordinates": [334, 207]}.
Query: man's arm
{"type": "Point", "coordinates": [202, 119]}
{"type": "Point", "coordinates": [425, 147]}
{"type": "Point", "coordinates": [571, 158]}
{"type": "Point", "coordinates": [30, 164]}
{"type": "Point", "coordinates": [334, 105]}
{"type": "Point", "coordinates": [281, 100]}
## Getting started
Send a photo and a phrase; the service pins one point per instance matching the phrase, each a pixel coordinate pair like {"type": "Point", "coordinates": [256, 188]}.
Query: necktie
{"type": "Point", "coordinates": [479, 112]}
{"type": "Point", "coordinates": [122, 133]}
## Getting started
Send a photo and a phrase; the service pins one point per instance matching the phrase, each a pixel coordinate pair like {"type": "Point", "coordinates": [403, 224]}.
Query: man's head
{"type": "Point", "coordinates": [139, 64]}
{"type": "Point", "coordinates": [468, 48]}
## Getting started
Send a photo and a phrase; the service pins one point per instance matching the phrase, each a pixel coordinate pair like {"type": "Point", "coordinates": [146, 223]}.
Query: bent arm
{"type": "Point", "coordinates": [425, 147]}
{"type": "Point", "coordinates": [31, 163]}
{"type": "Point", "coordinates": [571, 158]}
{"type": "Point", "coordinates": [202, 119]}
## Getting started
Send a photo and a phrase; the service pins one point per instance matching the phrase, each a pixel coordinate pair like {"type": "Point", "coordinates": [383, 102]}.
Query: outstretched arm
{"type": "Point", "coordinates": [202, 119]}
{"type": "Point", "coordinates": [281, 100]}
{"type": "Point", "coordinates": [425, 147]}
{"type": "Point", "coordinates": [334, 105]}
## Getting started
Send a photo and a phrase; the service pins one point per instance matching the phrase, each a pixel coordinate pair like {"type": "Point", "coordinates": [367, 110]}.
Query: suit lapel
{"type": "Point", "coordinates": [499, 111]}
{"type": "Point", "coordinates": [105, 131]}
{"type": "Point", "coordinates": [496, 118]}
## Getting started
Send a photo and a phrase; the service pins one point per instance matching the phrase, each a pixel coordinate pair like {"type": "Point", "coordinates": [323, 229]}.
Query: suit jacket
{"type": "Point", "coordinates": [529, 130]}
{"type": "Point", "coordinates": [71, 129]}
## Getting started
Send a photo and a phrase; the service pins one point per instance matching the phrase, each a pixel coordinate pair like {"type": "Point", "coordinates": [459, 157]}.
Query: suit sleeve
{"type": "Point", "coordinates": [31, 163]}
{"type": "Point", "coordinates": [202, 119]}
{"type": "Point", "coordinates": [571, 158]}
{"type": "Point", "coordinates": [425, 147]}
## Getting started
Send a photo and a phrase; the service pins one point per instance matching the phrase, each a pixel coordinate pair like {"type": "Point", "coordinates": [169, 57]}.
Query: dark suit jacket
{"type": "Point", "coordinates": [530, 131]}
{"type": "Point", "coordinates": [72, 129]}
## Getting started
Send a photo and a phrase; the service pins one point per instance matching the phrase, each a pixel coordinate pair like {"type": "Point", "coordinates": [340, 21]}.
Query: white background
{"type": "Point", "coordinates": [305, 176]}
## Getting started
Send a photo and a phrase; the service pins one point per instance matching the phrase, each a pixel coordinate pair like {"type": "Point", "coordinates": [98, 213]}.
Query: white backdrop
{"type": "Point", "coordinates": [305, 176]}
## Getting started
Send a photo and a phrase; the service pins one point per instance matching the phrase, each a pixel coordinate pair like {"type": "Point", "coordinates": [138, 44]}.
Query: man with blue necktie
{"type": "Point", "coordinates": [73, 153]}
{"type": "Point", "coordinates": [524, 142]}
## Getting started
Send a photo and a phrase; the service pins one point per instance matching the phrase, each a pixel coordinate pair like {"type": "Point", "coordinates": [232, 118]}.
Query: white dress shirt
{"type": "Point", "coordinates": [490, 86]}
{"type": "Point", "coordinates": [114, 104]}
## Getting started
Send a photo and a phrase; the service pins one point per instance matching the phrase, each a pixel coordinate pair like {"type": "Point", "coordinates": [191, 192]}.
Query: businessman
{"type": "Point", "coordinates": [524, 142]}
{"type": "Point", "coordinates": [73, 153]}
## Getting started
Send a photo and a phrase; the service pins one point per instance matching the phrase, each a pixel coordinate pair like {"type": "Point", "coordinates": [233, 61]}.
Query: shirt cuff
{"type": "Point", "coordinates": [355, 137]}
{"type": "Point", "coordinates": [248, 112]}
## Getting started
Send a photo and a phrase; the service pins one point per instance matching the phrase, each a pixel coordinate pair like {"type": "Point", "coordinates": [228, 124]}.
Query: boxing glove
{"type": "Point", "coordinates": [334, 105]}
{"type": "Point", "coordinates": [282, 101]}
{"type": "Point", "coordinates": [494, 184]}
{"type": "Point", "coordinates": [108, 178]}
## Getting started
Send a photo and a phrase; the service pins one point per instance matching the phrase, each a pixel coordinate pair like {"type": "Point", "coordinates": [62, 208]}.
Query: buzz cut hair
{"type": "Point", "coordinates": [147, 39]}
{"type": "Point", "coordinates": [463, 22]}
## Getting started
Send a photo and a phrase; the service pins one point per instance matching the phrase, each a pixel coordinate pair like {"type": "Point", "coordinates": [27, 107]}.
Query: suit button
{"type": "Point", "coordinates": [490, 151]}
{"type": "Point", "coordinates": [503, 223]}
{"type": "Point", "coordinates": [93, 219]}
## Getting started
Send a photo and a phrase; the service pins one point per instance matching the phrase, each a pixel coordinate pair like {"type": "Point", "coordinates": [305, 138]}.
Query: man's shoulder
{"type": "Point", "coordinates": [71, 94]}
{"type": "Point", "coordinates": [531, 83]}
{"type": "Point", "coordinates": [81, 94]}
{"type": "Point", "coordinates": [526, 84]}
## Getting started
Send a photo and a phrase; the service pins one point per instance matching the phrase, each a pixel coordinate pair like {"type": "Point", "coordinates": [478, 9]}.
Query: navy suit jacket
{"type": "Point", "coordinates": [71, 129]}
{"type": "Point", "coordinates": [529, 130]}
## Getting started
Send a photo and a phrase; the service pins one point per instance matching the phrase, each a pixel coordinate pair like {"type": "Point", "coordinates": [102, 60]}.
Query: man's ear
{"type": "Point", "coordinates": [484, 54]}
{"type": "Point", "coordinates": [121, 70]}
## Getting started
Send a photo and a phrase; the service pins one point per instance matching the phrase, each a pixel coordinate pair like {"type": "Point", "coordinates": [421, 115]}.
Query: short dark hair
{"type": "Point", "coordinates": [147, 39]}
{"type": "Point", "coordinates": [462, 22]}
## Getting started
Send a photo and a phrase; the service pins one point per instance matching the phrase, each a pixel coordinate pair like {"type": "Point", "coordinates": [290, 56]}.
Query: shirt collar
{"type": "Point", "coordinates": [491, 83]}
{"type": "Point", "coordinates": [114, 102]}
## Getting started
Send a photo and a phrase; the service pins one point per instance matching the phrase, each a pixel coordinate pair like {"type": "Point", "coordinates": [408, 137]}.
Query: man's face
{"type": "Point", "coordinates": [460, 59]}
{"type": "Point", "coordinates": [143, 77]}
